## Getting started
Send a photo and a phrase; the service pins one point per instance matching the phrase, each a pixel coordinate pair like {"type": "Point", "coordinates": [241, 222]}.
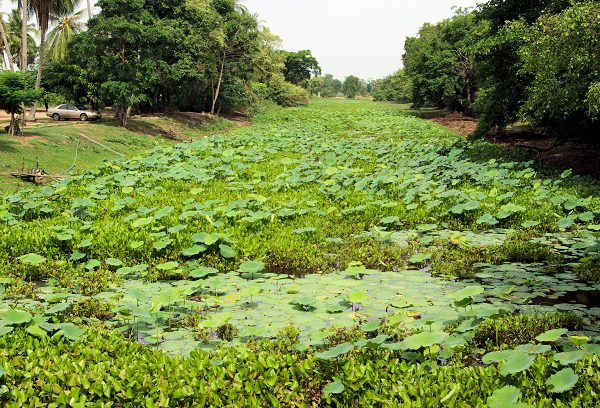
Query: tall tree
{"type": "Point", "coordinates": [44, 10]}
{"type": "Point", "coordinates": [5, 47]}
{"type": "Point", "coordinates": [89, 9]}
{"type": "Point", "coordinates": [15, 94]}
{"type": "Point", "coordinates": [352, 86]}
{"type": "Point", "coordinates": [24, 28]}
{"type": "Point", "coordinates": [12, 29]}
{"type": "Point", "coordinates": [300, 66]}
{"type": "Point", "coordinates": [240, 43]}
{"type": "Point", "coordinates": [67, 27]}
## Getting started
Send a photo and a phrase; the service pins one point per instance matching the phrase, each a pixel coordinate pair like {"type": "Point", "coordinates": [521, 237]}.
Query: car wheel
{"type": "Point", "coordinates": [83, 117]}
{"type": "Point", "coordinates": [56, 116]}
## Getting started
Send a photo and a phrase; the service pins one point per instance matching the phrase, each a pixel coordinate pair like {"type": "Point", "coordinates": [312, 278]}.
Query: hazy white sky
{"type": "Point", "coordinates": [360, 37]}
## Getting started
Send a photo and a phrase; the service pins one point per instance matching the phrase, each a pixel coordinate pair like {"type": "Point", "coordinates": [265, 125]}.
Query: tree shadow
{"type": "Point", "coordinates": [6, 144]}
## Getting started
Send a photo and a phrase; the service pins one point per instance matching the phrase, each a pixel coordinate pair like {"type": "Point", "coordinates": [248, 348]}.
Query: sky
{"type": "Point", "coordinates": [352, 37]}
{"type": "Point", "coordinates": [348, 37]}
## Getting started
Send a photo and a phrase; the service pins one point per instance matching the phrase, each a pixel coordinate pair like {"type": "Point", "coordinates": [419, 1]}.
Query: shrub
{"type": "Point", "coordinates": [514, 330]}
{"type": "Point", "coordinates": [118, 372]}
{"type": "Point", "coordinates": [287, 95]}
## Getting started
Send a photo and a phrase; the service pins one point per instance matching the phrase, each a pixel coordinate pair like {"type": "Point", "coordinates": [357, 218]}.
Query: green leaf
{"type": "Point", "coordinates": [226, 251]}
{"type": "Point", "coordinates": [202, 272]}
{"type": "Point", "coordinates": [496, 356]}
{"type": "Point", "coordinates": [16, 317]}
{"type": "Point", "coordinates": [113, 262]}
{"type": "Point", "coordinates": [505, 397]}
{"type": "Point", "coordinates": [565, 223]}
{"type": "Point", "coordinates": [586, 216]}
{"type": "Point", "coordinates": [562, 381]}
{"type": "Point", "coordinates": [70, 331]}
{"type": "Point", "coordinates": [162, 244]}
{"type": "Point", "coordinates": [77, 256]}
{"type": "Point", "coordinates": [336, 387]}
{"type": "Point", "coordinates": [193, 251]}
{"type": "Point", "coordinates": [488, 219]}
{"type": "Point", "coordinates": [357, 297]}
{"type": "Point", "coordinates": [468, 292]}
{"type": "Point", "coordinates": [136, 244]}
{"type": "Point", "coordinates": [534, 348]}
{"type": "Point", "coordinates": [336, 351]}
{"type": "Point", "coordinates": [142, 222]}
{"type": "Point", "coordinates": [370, 326]}
{"type": "Point", "coordinates": [305, 302]}
{"type": "Point", "coordinates": [569, 357]}
{"type": "Point", "coordinates": [252, 267]}
{"type": "Point", "coordinates": [36, 331]}
{"type": "Point", "coordinates": [551, 335]}
{"type": "Point", "coordinates": [579, 340]}
{"type": "Point", "coordinates": [516, 362]}
{"type": "Point", "coordinates": [425, 339]}
{"type": "Point", "coordinates": [418, 258]}
{"type": "Point", "coordinates": [591, 348]}
{"type": "Point", "coordinates": [32, 259]}
{"type": "Point", "coordinates": [5, 330]}
{"type": "Point", "coordinates": [92, 264]}
{"type": "Point", "coordinates": [167, 266]}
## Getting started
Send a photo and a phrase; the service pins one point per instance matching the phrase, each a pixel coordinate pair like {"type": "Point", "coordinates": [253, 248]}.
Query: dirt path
{"type": "Point", "coordinates": [577, 155]}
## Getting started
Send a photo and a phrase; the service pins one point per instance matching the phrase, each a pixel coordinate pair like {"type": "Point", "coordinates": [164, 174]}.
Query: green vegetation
{"type": "Point", "coordinates": [58, 147]}
{"type": "Point", "coordinates": [393, 88]}
{"type": "Point", "coordinates": [14, 94]}
{"type": "Point", "coordinates": [506, 62]}
{"type": "Point", "coordinates": [320, 256]}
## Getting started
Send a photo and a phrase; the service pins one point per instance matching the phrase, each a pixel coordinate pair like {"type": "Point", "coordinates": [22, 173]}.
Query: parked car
{"type": "Point", "coordinates": [67, 111]}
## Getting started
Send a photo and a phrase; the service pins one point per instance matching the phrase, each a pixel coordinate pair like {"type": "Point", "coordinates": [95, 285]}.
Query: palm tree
{"type": "Point", "coordinates": [43, 10]}
{"type": "Point", "coordinates": [24, 26]}
{"type": "Point", "coordinates": [12, 29]}
{"type": "Point", "coordinates": [5, 47]}
{"type": "Point", "coordinates": [58, 39]}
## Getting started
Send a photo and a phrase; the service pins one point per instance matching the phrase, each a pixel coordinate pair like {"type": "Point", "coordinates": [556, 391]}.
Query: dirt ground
{"type": "Point", "coordinates": [577, 155]}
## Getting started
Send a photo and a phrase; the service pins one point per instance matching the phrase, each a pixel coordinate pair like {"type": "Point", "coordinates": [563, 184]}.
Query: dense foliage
{"type": "Point", "coordinates": [309, 256]}
{"type": "Point", "coordinates": [509, 61]}
{"type": "Point", "coordinates": [103, 368]}
{"type": "Point", "coordinates": [300, 66]}
{"type": "Point", "coordinates": [15, 92]}
{"type": "Point", "coordinates": [393, 88]}
{"type": "Point", "coordinates": [151, 56]}
{"type": "Point", "coordinates": [352, 87]}
{"type": "Point", "coordinates": [562, 56]}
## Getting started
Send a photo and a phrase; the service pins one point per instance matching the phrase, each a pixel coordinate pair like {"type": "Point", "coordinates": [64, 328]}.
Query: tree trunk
{"type": "Point", "coordinates": [6, 49]}
{"type": "Point", "coordinates": [12, 123]}
{"type": "Point", "coordinates": [89, 9]}
{"type": "Point", "coordinates": [124, 115]}
{"type": "Point", "coordinates": [40, 69]}
{"type": "Point", "coordinates": [216, 95]}
{"type": "Point", "coordinates": [24, 21]}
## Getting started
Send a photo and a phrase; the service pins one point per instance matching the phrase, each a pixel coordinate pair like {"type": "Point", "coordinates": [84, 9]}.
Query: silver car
{"type": "Point", "coordinates": [67, 111]}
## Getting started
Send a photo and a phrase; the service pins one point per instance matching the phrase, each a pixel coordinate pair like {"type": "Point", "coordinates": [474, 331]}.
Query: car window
{"type": "Point", "coordinates": [62, 107]}
{"type": "Point", "coordinates": [71, 107]}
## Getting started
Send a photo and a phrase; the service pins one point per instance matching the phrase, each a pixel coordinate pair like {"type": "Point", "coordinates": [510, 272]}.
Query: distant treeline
{"type": "Point", "coordinates": [508, 61]}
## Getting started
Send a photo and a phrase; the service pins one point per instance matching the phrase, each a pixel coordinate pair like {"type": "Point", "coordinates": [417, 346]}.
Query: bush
{"type": "Point", "coordinates": [562, 54]}
{"type": "Point", "coordinates": [288, 95]}
{"type": "Point", "coordinates": [280, 92]}
{"type": "Point", "coordinates": [514, 330]}
{"type": "Point", "coordinates": [43, 371]}
{"type": "Point", "coordinates": [393, 88]}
